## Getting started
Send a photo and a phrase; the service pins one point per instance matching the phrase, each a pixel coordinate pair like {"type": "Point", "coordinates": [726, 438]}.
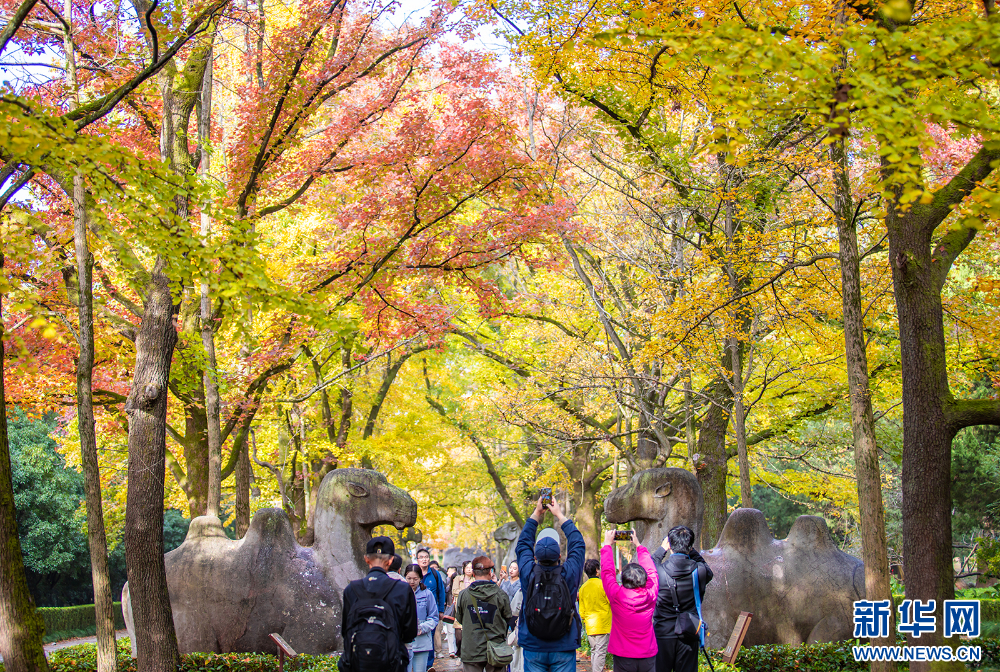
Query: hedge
{"type": "Point", "coordinates": [825, 657]}
{"type": "Point", "coordinates": [83, 658]}
{"type": "Point", "coordinates": [80, 621]}
{"type": "Point", "coordinates": [989, 607]}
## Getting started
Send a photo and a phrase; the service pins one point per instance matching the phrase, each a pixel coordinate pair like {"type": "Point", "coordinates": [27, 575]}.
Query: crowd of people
{"type": "Point", "coordinates": [532, 615]}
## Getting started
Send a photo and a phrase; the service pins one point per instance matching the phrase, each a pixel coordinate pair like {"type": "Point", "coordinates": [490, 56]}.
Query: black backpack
{"type": "Point", "coordinates": [373, 639]}
{"type": "Point", "coordinates": [686, 624]}
{"type": "Point", "coordinates": [550, 608]}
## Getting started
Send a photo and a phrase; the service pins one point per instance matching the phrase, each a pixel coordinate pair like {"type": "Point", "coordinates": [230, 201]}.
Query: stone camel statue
{"type": "Point", "coordinates": [230, 595]}
{"type": "Point", "coordinates": [800, 589]}
{"type": "Point", "coordinates": [506, 535]}
{"type": "Point", "coordinates": [454, 556]}
{"type": "Point", "coordinates": [657, 500]}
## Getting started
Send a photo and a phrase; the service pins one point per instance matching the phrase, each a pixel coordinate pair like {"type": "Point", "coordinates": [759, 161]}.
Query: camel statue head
{"type": "Point", "coordinates": [657, 500]}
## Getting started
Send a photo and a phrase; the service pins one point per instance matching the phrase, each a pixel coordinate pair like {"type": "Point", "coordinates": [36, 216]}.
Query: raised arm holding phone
{"type": "Point", "coordinates": [549, 628]}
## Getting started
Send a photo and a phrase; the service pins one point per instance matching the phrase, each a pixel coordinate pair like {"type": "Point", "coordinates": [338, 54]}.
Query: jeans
{"type": "Point", "coordinates": [549, 661]}
{"type": "Point", "coordinates": [418, 661]}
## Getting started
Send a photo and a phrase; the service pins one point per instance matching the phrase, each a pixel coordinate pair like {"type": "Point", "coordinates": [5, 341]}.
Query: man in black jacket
{"type": "Point", "coordinates": [396, 594]}
{"type": "Point", "coordinates": [677, 653]}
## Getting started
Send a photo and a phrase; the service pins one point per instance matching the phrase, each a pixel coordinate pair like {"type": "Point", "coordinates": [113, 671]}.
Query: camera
{"type": "Point", "coordinates": [623, 535]}
{"type": "Point", "coordinates": [546, 495]}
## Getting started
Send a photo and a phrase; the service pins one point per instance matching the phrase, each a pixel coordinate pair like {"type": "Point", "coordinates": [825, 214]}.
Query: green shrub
{"type": "Point", "coordinates": [66, 622]}
{"type": "Point", "coordinates": [989, 607]}
{"type": "Point", "coordinates": [813, 657]}
{"type": "Point", "coordinates": [83, 658]}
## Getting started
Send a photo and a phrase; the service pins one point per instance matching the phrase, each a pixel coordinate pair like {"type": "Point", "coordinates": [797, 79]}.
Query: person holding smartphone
{"type": "Point", "coordinates": [632, 642]}
{"type": "Point", "coordinates": [677, 648]}
{"type": "Point", "coordinates": [549, 628]}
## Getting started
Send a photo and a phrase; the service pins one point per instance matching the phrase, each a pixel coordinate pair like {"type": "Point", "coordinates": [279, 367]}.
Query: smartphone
{"type": "Point", "coordinates": [546, 496]}
{"type": "Point", "coordinates": [623, 535]}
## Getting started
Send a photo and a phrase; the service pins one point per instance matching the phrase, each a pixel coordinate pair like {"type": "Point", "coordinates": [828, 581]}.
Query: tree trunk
{"type": "Point", "coordinates": [927, 435]}
{"type": "Point", "coordinates": [211, 373]}
{"type": "Point", "coordinates": [97, 540]}
{"type": "Point", "coordinates": [874, 546]}
{"type": "Point", "coordinates": [196, 452]}
{"type": "Point", "coordinates": [242, 489]}
{"type": "Point", "coordinates": [156, 641]}
{"type": "Point", "coordinates": [587, 519]}
{"type": "Point", "coordinates": [739, 424]}
{"type": "Point", "coordinates": [23, 628]}
{"type": "Point", "coordinates": [713, 468]}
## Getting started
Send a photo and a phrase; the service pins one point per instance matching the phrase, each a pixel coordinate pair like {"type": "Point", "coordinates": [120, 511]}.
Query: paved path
{"type": "Point", "coordinates": [55, 646]}
{"type": "Point", "coordinates": [455, 665]}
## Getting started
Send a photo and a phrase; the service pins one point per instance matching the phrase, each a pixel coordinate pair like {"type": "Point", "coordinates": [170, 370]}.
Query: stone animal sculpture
{"type": "Point", "coordinates": [506, 536]}
{"type": "Point", "coordinates": [657, 500]}
{"type": "Point", "coordinates": [454, 556]}
{"type": "Point", "coordinates": [230, 595]}
{"type": "Point", "coordinates": [799, 589]}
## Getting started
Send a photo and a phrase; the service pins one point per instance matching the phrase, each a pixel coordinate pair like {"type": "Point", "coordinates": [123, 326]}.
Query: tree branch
{"type": "Point", "coordinates": [971, 412]}
{"type": "Point", "coordinates": [15, 22]}
{"type": "Point", "coordinates": [490, 467]}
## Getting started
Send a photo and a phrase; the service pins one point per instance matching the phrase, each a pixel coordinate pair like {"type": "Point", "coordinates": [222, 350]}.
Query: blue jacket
{"type": "Point", "coordinates": [427, 620]}
{"type": "Point", "coordinates": [572, 571]}
{"type": "Point", "coordinates": [435, 584]}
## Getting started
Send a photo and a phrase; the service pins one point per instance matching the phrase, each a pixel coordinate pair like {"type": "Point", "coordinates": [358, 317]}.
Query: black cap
{"type": "Point", "coordinates": [380, 545]}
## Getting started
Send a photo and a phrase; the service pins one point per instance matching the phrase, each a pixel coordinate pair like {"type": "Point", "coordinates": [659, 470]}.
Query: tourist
{"type": "Point", "coordinates": [394, 566]}
{"type": "Point", "coordinates": [632, 642]}
{"type": "Point", "coordinates": [460, 583]}
{"type": "Point", "coordinates": [439, 634]}
{"type": "Point", "coordinates": [484, 612]}
{"type": "Point", "coordinates": [427, 619]}
{"type": "Point", "coordinates": [449, 628]}
{"type": "Point", "coordinates": [435, 584]}
{"type": "Point", "coordinates": [517, 664]}
{"type": "Point", "coordinates": [596, 614]}
{"type": "Point", "coordinates": [677, 646]}
{"type": "Point", "coordinates": [512, 584]}
{"type": "Point", "coordinates": [385, 628]}
{"type": "Point", "coordinates": [541, 574]}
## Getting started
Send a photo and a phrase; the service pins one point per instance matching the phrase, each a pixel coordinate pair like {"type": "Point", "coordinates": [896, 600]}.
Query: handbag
{"type": "Point", "coordinates": [498, 654]}
{"type": "Point", "coordinates": [448, 615]}
{"type": "Point", "coordinates": [687, 626]}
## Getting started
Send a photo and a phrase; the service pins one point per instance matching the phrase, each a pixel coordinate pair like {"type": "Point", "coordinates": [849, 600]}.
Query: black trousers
{"type": "Point", "coordinates": [676, 655]}
{"type": "Point", "coordinates": [623, 664]}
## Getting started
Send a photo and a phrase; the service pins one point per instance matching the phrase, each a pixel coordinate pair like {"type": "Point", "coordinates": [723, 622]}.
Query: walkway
{"type": "Point", "coordinates": [455, 665]}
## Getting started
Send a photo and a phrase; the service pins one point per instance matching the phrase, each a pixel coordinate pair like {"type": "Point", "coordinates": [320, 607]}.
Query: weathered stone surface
{"type": "Point", "coordinates": [506, 535]}
{"type": "Point", "coordinates": [799, 589]}
{"type": "Point", "coordinates": [229, 595]}
{"type": "Point", "coordinates": [657, 500]}
{"type": "Point", "coordinates": [454, 556]}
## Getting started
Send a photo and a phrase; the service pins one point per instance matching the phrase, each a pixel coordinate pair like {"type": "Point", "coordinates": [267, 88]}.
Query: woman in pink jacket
{"type": "Point", "coordinates": [632, 604]}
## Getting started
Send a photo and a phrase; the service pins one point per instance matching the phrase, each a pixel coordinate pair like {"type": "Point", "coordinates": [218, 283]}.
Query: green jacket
{"type": "Point", "coordinates": [494, 610]}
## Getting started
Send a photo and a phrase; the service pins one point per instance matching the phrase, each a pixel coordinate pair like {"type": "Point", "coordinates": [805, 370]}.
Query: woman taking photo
{"type": "Point", "coordinates": [632, 642]}
{"type": "Point", "coordinates": [427, 620]}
